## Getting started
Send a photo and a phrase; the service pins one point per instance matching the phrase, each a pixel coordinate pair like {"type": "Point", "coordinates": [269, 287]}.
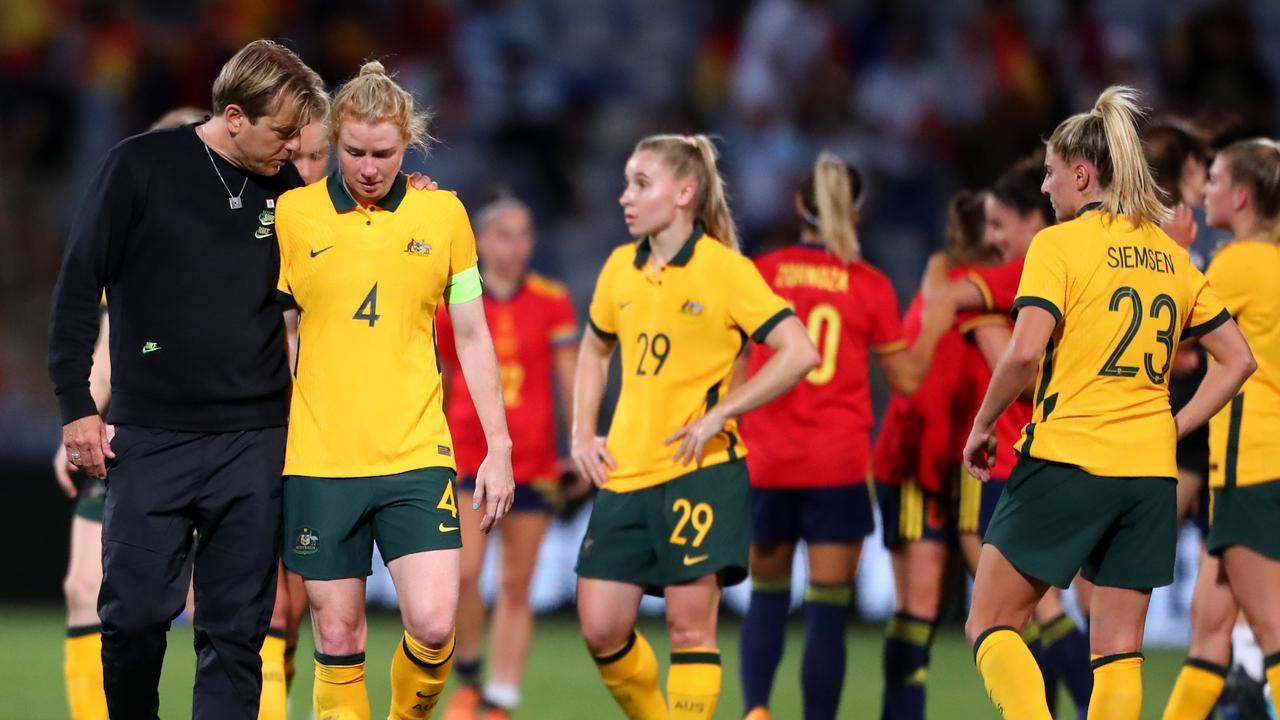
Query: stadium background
{"type": "Point", "coordinates": [546, 98]}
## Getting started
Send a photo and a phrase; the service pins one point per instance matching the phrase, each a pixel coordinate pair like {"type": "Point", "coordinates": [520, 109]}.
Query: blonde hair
{"type": "Point", "coordinates": [1107, 138]}
{"type": "Point", "coordinates": [1255, 164]}
{"type": "Point", "coordinates": [830, 197]}
{"type": "Point", "coordinates": [372, 96]}
{"type": "Point", "coordinates": [695, 156]}
{"type": "Point", "coordinates": [265, 76]}
{"type": "Point", "coordinates": [179, 116]}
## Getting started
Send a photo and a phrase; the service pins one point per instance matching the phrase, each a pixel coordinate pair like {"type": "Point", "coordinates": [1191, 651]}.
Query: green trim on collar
{"type": "Point", "coordinates": [644, 248]}
{"type": "Point", "coordinates": [1096, 204]}
{"type": "Point", "coordinates": [342, 200]}
{"type": "Point", "coordinates": [338, 195]}
{"type": "Point", "coordinates": [391, 201]}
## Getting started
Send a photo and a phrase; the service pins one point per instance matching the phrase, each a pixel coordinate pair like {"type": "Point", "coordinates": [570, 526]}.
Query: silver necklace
{"type": "Point", "coordinates": [232, 200]}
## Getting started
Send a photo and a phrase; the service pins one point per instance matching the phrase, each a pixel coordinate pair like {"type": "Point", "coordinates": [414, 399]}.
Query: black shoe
{"type": "Point", "coordinates": [1243, 697]}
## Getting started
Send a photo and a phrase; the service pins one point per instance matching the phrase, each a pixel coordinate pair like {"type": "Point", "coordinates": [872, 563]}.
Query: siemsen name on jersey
{"type": "Point", "coordinates": [1132, 256]}
{"type": "Point", "coordinates": [1123, 295]}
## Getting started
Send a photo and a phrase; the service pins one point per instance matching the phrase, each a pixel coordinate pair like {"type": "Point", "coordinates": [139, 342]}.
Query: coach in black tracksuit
{"type": "Point", "coordinates": [178, 228]}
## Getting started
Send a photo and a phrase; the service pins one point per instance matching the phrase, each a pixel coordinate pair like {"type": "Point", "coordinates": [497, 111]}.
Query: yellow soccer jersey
{"type": "Point", "coordinates": [367, 395]}
{"type": "Point", "coordinates": [1244, 437]}
{"type": "Point", "coordinates": [678, 334]}
{"type": "Point", "coordinates": [1123, 297]}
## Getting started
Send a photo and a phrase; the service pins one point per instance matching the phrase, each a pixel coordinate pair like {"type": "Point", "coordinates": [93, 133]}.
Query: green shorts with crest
{"type": "Point", "coordinates": [1055, 520]}
{"type": "Point", "coordinates": [331, 524]}
{"type": "Point", "coordinates": [694, 525]}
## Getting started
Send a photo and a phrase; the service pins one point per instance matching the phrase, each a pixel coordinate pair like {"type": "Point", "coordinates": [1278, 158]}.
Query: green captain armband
{"type": "Point", "coordinates": [464, 286]}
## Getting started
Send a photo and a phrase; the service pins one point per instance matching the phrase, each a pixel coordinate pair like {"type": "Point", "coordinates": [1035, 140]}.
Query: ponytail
{"type": "Point", "coordinates": [373, 96]}
{"type": "Point", "coordinates": [1107, 138]}
{"type": "Point", "coordinates": [829, 198]}
{"type": "Point", "coordinates": [1255, 164]}
{"type": "Point", "coordinates": [695, 156]}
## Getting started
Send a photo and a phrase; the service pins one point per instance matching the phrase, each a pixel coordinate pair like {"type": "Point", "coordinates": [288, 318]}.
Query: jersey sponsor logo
{"type": "Point", "coordinates": [262, 232]}
{"type": "Point", "coordinates": [694, 560]}
{"type": "Point", "coordinates": [321, 250]}
{"type": "Point", "coordinates": [267, 217]}
{"type": "Point", "coordinates": [419, 248]}
{"type": "Point", "coordinates": [692, 308]}
{"type": "Point", "coordinates": [446, 528]}
{"type": "Point", "coordinates": [306, 543]}
{"type": "Point", "coordinates": [150, 347]}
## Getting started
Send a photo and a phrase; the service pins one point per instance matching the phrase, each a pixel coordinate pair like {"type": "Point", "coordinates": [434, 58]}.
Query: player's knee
{"type": "Point", "coordinates": [920, 601]}
{"type": "Point", "coordinates": [432, 629]}
{"type": "Point", "coordinates": [685, 634]}
{"type": "Point", "coordinates": [604, 638]}
{"type": "Point", "coordinates": [974, 626]}
{"type": "Point", "coordinates": [339, 636]}
{"type": "Point", "coordinates": [514, 592]}
{"type": "Point", "coordinates": [81, 593]}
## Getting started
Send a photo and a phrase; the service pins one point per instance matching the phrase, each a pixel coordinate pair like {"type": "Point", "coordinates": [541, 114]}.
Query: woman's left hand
{"type": "Point", "coordinates": [694, 437]}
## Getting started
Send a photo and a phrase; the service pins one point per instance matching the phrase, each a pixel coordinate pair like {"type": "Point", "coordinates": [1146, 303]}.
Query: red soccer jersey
{"type": "Point", "coordinates": [528, 329]}
{"type": "Point", "coordinates": [917, 437]}
{"type": "Point", "coordinates": [818, 434]}
{"type": "Point", "coordinates": [999, 286]}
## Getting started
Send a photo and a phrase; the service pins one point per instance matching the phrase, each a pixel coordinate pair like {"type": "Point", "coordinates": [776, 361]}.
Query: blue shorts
{"type": "Point", "coordinates": [912, 513]}
{"type": "Point", "coordinates": [532, 497]}
{"type": "Point", "coordinates": [834, 514]}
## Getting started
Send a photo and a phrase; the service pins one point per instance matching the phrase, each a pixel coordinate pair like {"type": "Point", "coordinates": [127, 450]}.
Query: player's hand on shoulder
{"type": "Point", "coordinates": [418, 181]}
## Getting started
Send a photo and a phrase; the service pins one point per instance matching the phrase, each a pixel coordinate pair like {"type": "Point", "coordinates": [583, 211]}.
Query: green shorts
{"type": "Point", "coordinates": [686, 528]}
{"type": "Point", "coordinates": [331, 524]}
{"type": "Point", "coordinates": [1054, 520]}
{"type": "Point", "coordinates": [1245, 515]}
{"type": "Point", "coordinates": [90, 499]}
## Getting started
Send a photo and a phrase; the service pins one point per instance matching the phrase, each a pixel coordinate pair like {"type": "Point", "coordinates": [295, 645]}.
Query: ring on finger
{"type": "Point", "coordinates": [74, 456]}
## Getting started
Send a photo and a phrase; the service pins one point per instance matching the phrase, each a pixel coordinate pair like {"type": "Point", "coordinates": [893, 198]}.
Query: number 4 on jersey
{"type": "Point", "coordinates": [369, 308]}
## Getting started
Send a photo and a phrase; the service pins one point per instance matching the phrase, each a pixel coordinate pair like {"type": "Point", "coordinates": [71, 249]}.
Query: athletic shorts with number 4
{"type": "Point", "coordinates": [332, 524]}
{"type": "Point", "coordinates": [695, 525]}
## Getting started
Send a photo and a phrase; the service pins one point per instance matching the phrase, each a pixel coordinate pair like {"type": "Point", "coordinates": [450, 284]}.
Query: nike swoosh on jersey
{"type": "Point", "coordinates": [317, 252]}
{"type": "Point", "coordinates": [694, 560]}
{"type": "Point", "coordinates": [446, 528]}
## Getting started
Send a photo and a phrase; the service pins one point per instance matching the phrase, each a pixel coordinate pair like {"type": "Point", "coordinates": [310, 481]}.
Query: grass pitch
{"type": "Point", "coordinates": [561, 682]}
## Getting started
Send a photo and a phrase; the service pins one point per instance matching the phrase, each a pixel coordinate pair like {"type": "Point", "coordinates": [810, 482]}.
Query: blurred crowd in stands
{"type": "Point", "coordinates": [545, 98]}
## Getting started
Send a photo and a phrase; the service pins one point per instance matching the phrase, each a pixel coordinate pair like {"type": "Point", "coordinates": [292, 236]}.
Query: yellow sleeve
{"type": "Point", "coordinates": [464, 273]}
{"type": "Point", "coordinates": [285, 231]}
{"type": "Point", "coordinates": [1217, 295]}
{"type": "Point", "coordinates": [600, 316]}
{"type": "Point", "coordinates": [753, 306]}
{"type": "Point", "coordinates": [1229, 276]}
{"type": "Point", "coordinates": [1044, 276]}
